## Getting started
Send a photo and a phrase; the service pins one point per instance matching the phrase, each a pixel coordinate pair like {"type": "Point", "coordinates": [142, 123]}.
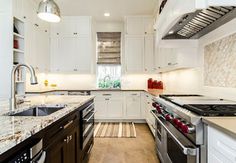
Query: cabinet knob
{"type": "Point", "coordinates": [57, 33]}
{"type": "Point", "coordinates": [75, 69]}
{"type": "Point", "coordinates": [145, 33]}
{"type": "Point", "coordinates": [24, 17]}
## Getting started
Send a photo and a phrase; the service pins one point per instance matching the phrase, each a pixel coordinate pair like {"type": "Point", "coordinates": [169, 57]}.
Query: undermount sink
{"type": "Point", "coordinates": [41, 110]}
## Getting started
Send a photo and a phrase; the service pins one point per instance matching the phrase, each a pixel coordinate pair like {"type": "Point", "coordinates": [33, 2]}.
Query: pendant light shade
{"type": "Point", "coordinates": [49, 11]}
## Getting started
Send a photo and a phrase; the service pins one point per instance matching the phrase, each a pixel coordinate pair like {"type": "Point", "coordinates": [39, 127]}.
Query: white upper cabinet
{"type": "Point", "coordinates": [37, 45]}
{"type": "Point", "coordinates": [139, 44]}
{"type": "Point", "coordinates": [134, 54]}
{"type": "Point", "coordinates": [83, 55]}
{"type": "Point", "coordinates": [71, 26]}
{"type": "Point", "coordinates": [139, 25]}
{"type": "Point", "coordinates": [172, 55]}
{"type": "Point", "coordinates": [149, 53]}
{"type": "Point", "coordinates": [71, 42]}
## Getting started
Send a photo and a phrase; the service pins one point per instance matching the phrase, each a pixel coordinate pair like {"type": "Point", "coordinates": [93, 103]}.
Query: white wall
{"type": "Point", "coordinates": [192, 80]}
{"type": "Point", "coordinates": [6, 44]}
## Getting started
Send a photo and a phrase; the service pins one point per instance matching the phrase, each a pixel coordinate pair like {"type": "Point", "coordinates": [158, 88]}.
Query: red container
{"type": "Point", "coordinates": [16, 44]}
{"type": "Point", "coordinates": [150, 83]}
{"type": "Point", "coordinates": [154, 84]}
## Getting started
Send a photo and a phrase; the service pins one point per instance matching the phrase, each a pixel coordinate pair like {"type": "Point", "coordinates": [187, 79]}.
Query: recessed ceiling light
{"type": "Point", "coordinates": [107, 14]}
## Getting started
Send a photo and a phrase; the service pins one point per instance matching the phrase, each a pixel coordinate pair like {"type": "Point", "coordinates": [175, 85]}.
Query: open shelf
{"type": "Point", "coordinates": [18, 35]}
{"type": "Point", "coordinates": [18, 50]}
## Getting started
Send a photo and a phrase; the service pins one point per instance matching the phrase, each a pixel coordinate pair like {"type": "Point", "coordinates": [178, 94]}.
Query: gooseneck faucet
{"type": "Point", "coordinates": [33, 81]}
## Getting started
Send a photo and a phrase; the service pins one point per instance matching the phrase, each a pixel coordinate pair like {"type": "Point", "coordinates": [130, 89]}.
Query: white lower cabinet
{"type": "Point", "coordinates": [101, 107]}
{"type": "Point", "coordinates": [124, 105]}
{"type": "Point", "coordinates": [115, 108]}
{"type": "Point", "coordinates": [108, 105]}
{"type": "Point", "coordinates": [133, 105]}
{"type": "Point", "coordinates": [221, 147]}
{"type": "Point", "coordinates": [150, 119]}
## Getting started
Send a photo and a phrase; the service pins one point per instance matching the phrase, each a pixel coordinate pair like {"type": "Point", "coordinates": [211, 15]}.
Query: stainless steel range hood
{"type": "Point", "coordinates": [197, 24]}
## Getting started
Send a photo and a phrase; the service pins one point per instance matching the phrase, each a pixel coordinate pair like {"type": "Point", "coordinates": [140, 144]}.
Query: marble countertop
{"type": "Point", "coordinates": [154, 92]}
{"type": "Point", "coordinates": [224, 124]}
{"type": "Point", "coordinates": [15, 129]}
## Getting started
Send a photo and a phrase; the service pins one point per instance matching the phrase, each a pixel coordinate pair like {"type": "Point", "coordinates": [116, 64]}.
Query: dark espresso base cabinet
{"type": "Point", "coordinates": [64, 149]}
{"type": "Point", "coordinates": [61, 140]}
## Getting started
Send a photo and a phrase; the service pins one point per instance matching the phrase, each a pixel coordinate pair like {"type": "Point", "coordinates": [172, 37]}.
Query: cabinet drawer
{"type": "Point", "coordinates": [107, 93]}
{"type": "Point", "coordinates": [133, 94]}
{"type": "Point", "coordinates": [221, 147]}
{"type": "Point", "coordinates": [61, 127]}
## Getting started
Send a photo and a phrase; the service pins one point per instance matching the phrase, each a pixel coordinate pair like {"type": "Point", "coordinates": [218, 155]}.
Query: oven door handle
{"type": "Point", "coordinates": [91, 116]}
{"type": "Point", "coordinates": [186, 150]}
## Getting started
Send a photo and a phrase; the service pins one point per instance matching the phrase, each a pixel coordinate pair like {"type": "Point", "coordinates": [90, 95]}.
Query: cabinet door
{"type": "Point", "coordinates": [29, 10]}
{"type": "Point", "coordinates": [56, 151]}
{"type": "Point", "coordinates": [62, 54]}
{"type": "Point", "coordinates": [82, 55]}
{"type": "Point", "coordinates": [17, 8]}
{"type": "Point", "coordinates": [221, 147]}
{"type": "Point", "coordinates": [134, 53]}
{"type": "Point", "coordinates": [133, 107]}
{"type": "Point", "coordinates": [67, 27]}
{"type": "Point", "coordinates": [115, 108]}
{"type": "Point", "coordinates": [148, 25]}
{"type": "Point", "coordinates": [30, 44]}
{"type": "Point", "coordinates": [149, 53]}
{"type": "Point", "coordinates": [134, 26]}
{"type": "Point", "coordinates": [71, 145]}
{"type": "Point", "coordinates": [83, 26]}
{"type": "Point", "coordinates": [43, 55]}
{"type": "Point", "coordinates": [143, 105]}
{"type": "Point", "coordinates": [100, 105]}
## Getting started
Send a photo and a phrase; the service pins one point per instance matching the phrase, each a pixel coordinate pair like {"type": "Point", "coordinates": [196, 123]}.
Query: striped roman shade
{"type": "Point", "coordinates": [108, 47]}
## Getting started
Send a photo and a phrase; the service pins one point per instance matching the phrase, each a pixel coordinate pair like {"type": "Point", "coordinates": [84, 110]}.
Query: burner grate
{"type": "Point", "coordinates": [212, 110]}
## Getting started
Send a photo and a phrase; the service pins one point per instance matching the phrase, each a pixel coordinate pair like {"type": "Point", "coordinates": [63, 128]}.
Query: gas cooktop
{"type": "Point", "coordinates": [202, 105]}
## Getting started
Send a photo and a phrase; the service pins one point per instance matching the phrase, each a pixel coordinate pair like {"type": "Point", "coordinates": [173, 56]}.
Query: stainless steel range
{"type": "Point", "coordinates": [180, 133]}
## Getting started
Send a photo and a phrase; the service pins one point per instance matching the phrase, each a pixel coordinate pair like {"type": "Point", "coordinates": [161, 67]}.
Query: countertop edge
{"type": "Point", "coordinates": [219, 127]}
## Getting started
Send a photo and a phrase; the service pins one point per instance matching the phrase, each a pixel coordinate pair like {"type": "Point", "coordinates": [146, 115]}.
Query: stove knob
{"type": "Point", "coordinates": [168, 117]}
{"type": "Point", "coordinates": [176, 121]}
{"type": "Point", "coordinates": [187, 129]}
{"type": "Point", "coordinates": [154, 104]}
{"type": "Point", "coordinates": [180, 124]}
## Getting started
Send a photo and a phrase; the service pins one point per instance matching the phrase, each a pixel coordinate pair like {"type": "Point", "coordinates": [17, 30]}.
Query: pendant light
{"type": "Point", "coordinates": [49, 11]}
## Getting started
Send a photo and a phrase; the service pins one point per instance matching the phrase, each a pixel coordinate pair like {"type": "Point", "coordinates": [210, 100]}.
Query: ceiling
{"type": "Point", "coordinates": [96, 8]}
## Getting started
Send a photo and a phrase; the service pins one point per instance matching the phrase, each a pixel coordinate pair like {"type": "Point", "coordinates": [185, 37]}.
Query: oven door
{"type": "Point", "coordinates": [88, 128]}
{"type": "Point", "coordinates": [178, 147]}
{"type": "Point", "coordinates": [159, 137]}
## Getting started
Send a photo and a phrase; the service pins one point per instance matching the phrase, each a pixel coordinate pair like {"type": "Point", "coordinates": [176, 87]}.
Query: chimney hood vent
{"type": "Point", "coordinates": [199, 23]}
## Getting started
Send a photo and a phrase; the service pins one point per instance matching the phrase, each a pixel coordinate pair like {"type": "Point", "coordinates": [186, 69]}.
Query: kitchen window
{"type": "Point", "coordinates": [109, 60]}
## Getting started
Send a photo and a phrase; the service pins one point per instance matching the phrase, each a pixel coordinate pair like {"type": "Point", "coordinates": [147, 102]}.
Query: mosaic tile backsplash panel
{"type": "Point", "coordinates": [220, 63]}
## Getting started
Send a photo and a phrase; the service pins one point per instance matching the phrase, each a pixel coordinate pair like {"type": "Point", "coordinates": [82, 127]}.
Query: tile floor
{"type": "Point", "coordinates": [126, 150]}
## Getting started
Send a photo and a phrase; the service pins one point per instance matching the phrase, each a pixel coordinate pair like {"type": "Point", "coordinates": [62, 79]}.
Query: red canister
{"type": "Point", "coordinates": [149, 82]}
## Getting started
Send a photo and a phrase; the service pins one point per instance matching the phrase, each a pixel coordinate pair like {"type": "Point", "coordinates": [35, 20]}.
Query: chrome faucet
{"type": "Point", "coordinates": [33, 81]}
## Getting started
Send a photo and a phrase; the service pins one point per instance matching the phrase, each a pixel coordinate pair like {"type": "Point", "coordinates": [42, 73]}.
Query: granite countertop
{"type": "Point", "coordinates": [224, 124]}
{"type": "Point", "coordinates": [154, 92]}
{"type": "Point", "coordinates": [15, 129]}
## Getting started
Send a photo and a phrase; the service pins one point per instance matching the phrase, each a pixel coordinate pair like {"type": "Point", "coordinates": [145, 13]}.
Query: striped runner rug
{"type": "Point", "coordinates": [115, 130]}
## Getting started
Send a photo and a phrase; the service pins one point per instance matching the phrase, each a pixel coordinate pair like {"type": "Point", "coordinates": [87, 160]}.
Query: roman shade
{"type": "Point", "coordinates": [108, 48]}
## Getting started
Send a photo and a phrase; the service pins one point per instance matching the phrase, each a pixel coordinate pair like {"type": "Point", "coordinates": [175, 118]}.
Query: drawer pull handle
{"type": "Point", "coordinates": [106, 94]}
{"type": "Point", "coordinates": [68, 124]}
